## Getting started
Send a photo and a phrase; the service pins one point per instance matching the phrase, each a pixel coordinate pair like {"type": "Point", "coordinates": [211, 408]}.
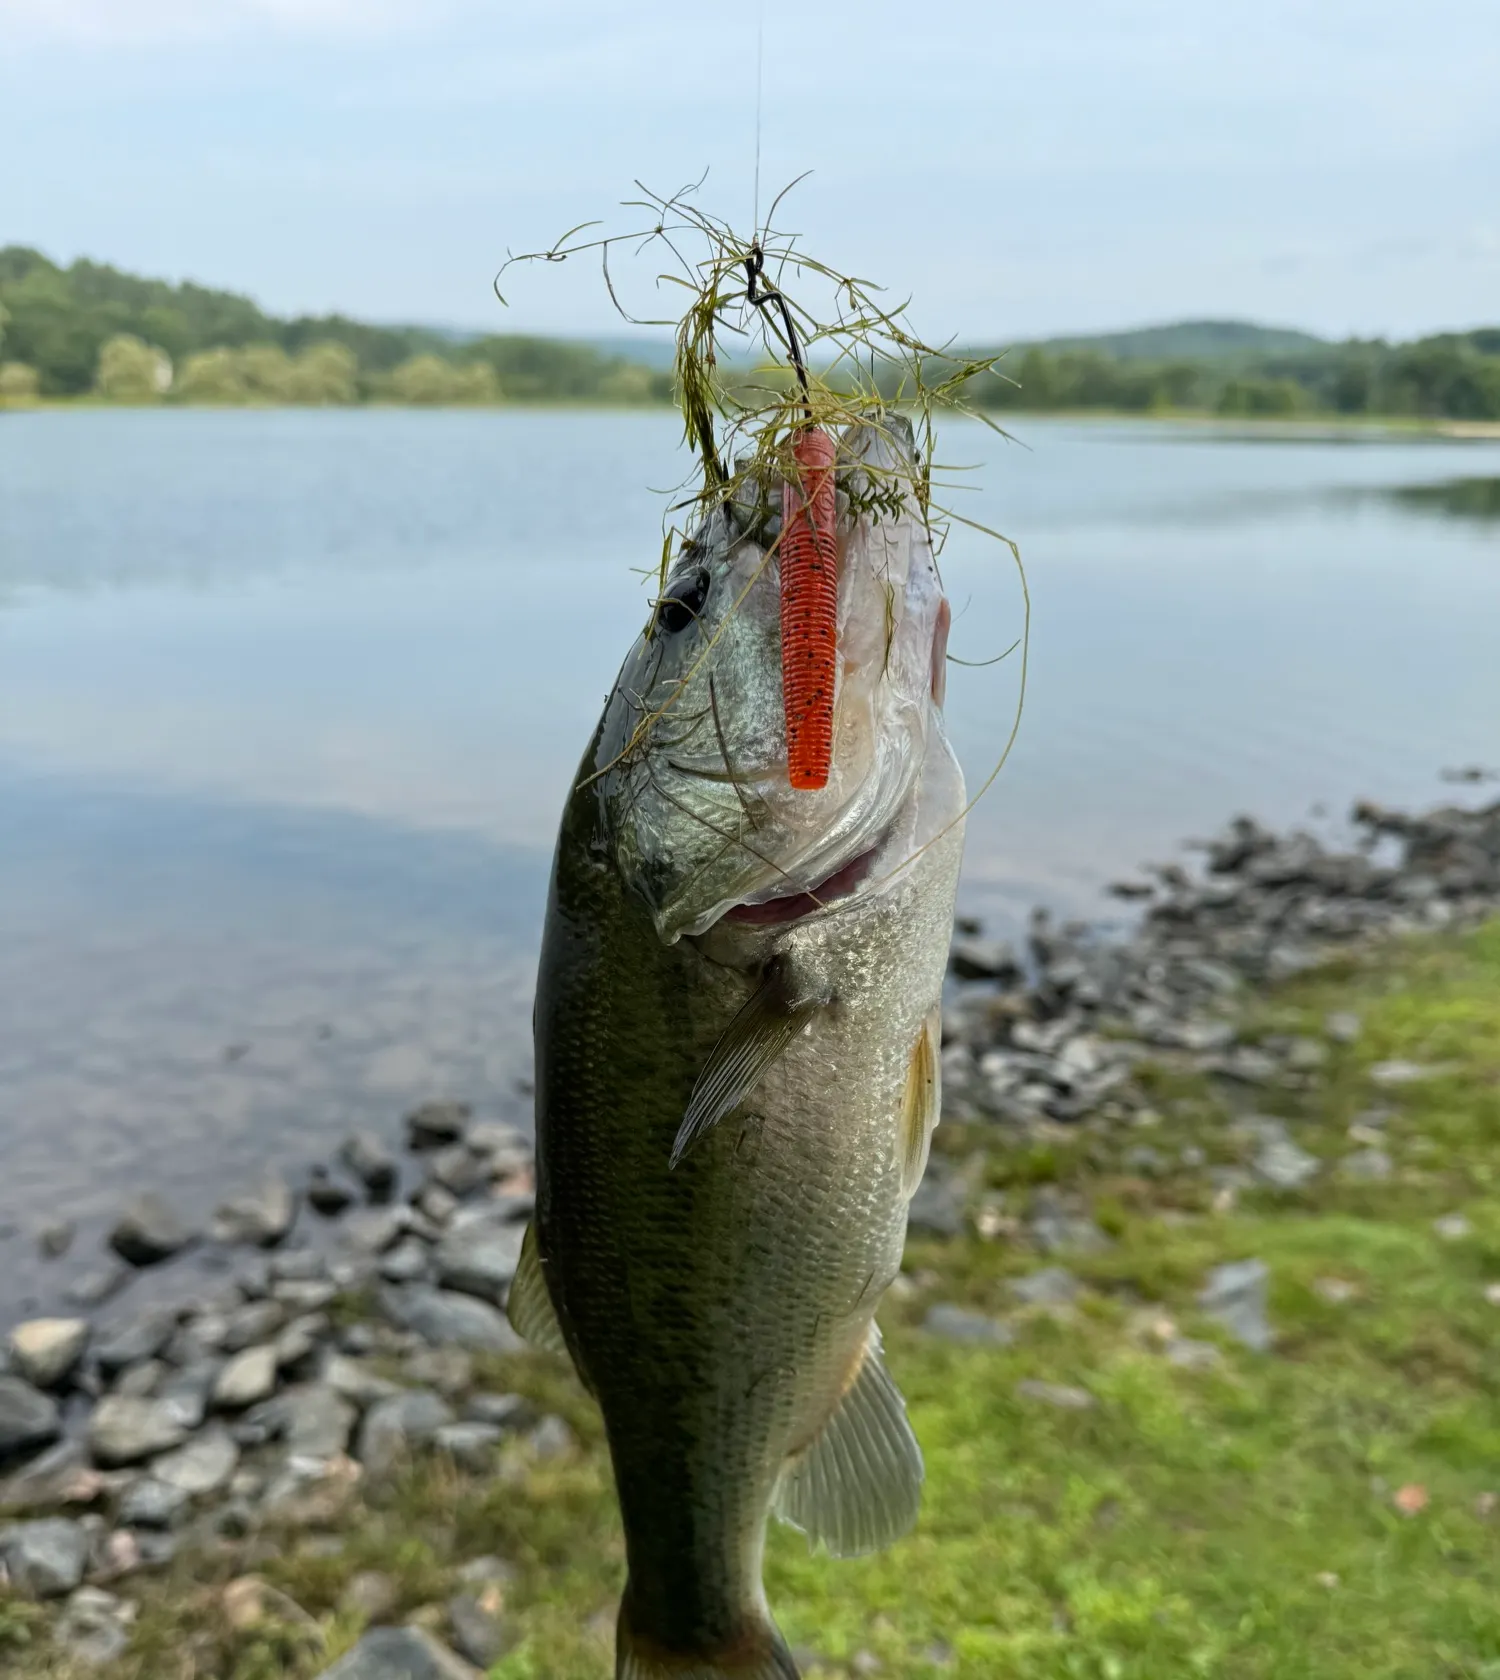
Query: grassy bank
{"type": "Point", "coordinates": [1176, 1505]}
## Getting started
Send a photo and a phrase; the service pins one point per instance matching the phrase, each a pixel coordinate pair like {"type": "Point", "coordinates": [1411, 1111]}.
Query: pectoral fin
{"type": "Point", "coordinates": [529, 1306]}
{"type": "Point", "coordinates": [757, 1035]}
{"type": "Point", "coordinates": [858, 1486]}
{"type": "Point", "coordinates": [921, 1103]}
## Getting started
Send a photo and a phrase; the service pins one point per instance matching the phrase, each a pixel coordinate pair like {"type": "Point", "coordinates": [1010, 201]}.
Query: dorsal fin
{"type": "Point", "coordinates": [858, 1485]}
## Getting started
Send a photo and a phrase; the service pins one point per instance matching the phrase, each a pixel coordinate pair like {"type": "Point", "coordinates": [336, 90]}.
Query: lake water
{"type": "Point", "coordinates": [289, 703]}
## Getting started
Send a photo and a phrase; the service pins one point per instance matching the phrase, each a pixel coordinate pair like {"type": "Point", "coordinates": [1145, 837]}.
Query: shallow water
{"type": "Point", "coordinates": [289, 702]}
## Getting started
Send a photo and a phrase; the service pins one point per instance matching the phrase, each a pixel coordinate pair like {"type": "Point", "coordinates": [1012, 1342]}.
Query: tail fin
{"type": "Point", "coordinates": [758, 1654]}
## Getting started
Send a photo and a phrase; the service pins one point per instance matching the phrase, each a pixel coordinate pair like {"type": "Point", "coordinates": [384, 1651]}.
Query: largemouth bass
{"type": "Point", "coordinates": [737, 1046]}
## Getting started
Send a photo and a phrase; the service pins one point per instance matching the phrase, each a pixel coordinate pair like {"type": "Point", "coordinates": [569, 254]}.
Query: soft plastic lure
{"type": "Point", "coordinates": [809, 610]}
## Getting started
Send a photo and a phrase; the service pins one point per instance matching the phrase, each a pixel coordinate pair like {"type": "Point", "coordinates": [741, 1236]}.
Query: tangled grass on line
{"type": "Point", "coordinates": [741, 414]}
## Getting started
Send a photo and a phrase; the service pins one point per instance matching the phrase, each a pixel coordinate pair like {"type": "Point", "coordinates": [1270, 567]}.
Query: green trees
{"type": "Point", "coordinates": [18, 385]}
{"type": "Point", "coordinates": [89, 327]}
{"type": "Point", "coordinates": [132, 371]}
{"type": "Point", "coordinates": [433, 380]}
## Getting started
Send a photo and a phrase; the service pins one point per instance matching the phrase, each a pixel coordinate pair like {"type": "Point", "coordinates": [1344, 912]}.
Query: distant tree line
{"type": "Point", "coordinates": [1450, 376]}
{"type": "Point", "coordinates": [91, 330]}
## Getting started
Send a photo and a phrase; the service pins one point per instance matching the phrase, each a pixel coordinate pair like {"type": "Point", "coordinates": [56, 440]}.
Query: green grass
{"type": "Point", "coordinates": [1239, 1522]}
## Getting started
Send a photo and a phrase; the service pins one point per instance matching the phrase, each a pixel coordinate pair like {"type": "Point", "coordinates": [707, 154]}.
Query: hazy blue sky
{"type": "Point", "coordinates": [1019, 168]}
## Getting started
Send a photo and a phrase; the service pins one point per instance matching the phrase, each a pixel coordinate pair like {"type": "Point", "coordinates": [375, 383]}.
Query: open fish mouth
{"type": "Point", "coordinates": [772, 912]}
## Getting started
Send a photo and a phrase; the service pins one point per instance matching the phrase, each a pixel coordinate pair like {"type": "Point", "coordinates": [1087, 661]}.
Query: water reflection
{"type": "Point", "coordinates": [1454, 498]}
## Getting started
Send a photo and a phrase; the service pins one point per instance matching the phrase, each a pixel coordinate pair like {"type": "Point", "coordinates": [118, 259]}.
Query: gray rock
{"type": "Point", "coordinates": [1189, 1355]}
{"type": "Point", "coordinates": [262, 1216]}
{"type": "Point", "coordinates": [394, 1428]}
{"type": "Point", "coordinates": [437, 1123]}
{"type": "Point", "coordinates": [199, 1338]}
{"type": "Point", "coordinates": [149, 1503]}
{"type": "Point", "coordinates": [141, 1381]}
{"type": "Point", "coordinates": [1343, 1026]}
{"type": "Point", "coordinates": [93, 1630]}
{"type": "Point", "coordinates": [253, 1278]}
{"type": "Point", "coordinates": [487, 1570]}
{"type": "Point", "coordinates": [1061, 1395]}
{"type": "Point", "coordinates": [1248, 1064]}
{"type": "Point", "coordinates": [399, 1654]}
{"type": "Point", "coordinates": [407, 1262]}
{"type": "Point", "coordinates": [256, 1321]}
{"type": "Point", "coordinates": [459, 1170]}
{"type": "Point", "coordinates": [203, 1465]}
{"type": "Point", "coordinates": [493, 1138]}
{"type": "Point", "coordinates": [132, 1343]}
{"type": "Point", "coordinates": [125, 1430]}
{"type": "Point", "coordinates": [301, 1339]}
{"type": "Point", "coordinates": [149, 1231]}
{"type": "Point", "coordinates": [54, 1240]}
{"type": "Point", "coordinates": [1394, 1073]}
{"type": "Point", "coordinates": [94, 1288]}
{"type": "Point", "coordinates": [326, 1195]}
{"type": "Point", "coordinates": [443, 1316]}
{"type": "Point", "coordinates": [437, 1204]}
{"type": "Point", "coordinates": [1367, 1166]}
{"type": "Point", "coordinates": [317, 1421]}
{"type": "Point", "coordinates": [1053, 1286]}
{"type": "Point", "coordinates": [1452, 1227]}
{"type": "Point", "coordinates": [477, 1633]}
{"type": "Point", "coordinates": [299, 1265]}
{"type": "Point", "coordinates": [248, 1377]}
{"type": "Point", "coordinates": [305, 1296]}
{"type": "Point", "coordinates": [1055, 1230]}
{"type": "Point", "coordinates": [1306, 1055]}
{"type": "Point", "coordinates": [450, 1370]}
{"type": "Point", "coordinates": [374, 1230]}
{"type": "Point", "coordinates": [480, 1259]}
{"type": "Point", "coordinates": [1235, 1297]}
{"type": "Point", "coordinates": [46, 1351]}
{"type": "Point", "coordinates": [937, 1209]}
{"type": "Point", "coordinates": [61, 1476]}
{"type": "Point", "coordinates": [551, 1438]}
{"type": "Point", "coordinates": [371, 1596]}
{"type": "Point", "coordinates": [505, 1411]}
{"type": "Point", "coordinates": [352, 1380]}
{"type": "Point", "coordinates": [1284, 1165]}
{"type": "Point", "coordinates": [186, 1393]}
{"type": "Point", "coordinates": [45, 1559]}
{"type": "Point", "coordinates": [471, 1446]}
{"type": "Point", "coordinates": [367, 1157]}
{"type": "Point", "coordinates": [983, 959]}
{"type": "Point", "coordinates": [958, 1324]}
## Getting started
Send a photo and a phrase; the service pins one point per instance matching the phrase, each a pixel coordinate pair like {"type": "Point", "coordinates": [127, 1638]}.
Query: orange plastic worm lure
{"type": "Point", "coordinates": [809, 610]}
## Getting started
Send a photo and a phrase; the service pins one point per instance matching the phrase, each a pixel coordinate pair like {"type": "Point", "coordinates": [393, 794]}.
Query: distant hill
{"type": "Point", "coordinates": [1189, 341]}
{"type": "Point", "coordinates": [56, 322]}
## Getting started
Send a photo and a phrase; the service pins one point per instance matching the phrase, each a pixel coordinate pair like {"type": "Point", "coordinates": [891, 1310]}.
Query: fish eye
{"type": "Point", "coordinates": [683, 602]}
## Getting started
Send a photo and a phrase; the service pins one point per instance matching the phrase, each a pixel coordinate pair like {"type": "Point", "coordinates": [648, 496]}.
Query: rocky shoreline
{"type": "Point", "coordinates": [345, 1324]}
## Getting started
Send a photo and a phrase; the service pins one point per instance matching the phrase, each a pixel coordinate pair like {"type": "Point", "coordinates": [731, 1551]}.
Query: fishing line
{"type": "Point", "coordinates": [760, 44]}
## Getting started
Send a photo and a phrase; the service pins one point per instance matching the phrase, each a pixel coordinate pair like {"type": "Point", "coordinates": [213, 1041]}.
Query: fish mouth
{"type": "Point", "coordinates": [773, 912]}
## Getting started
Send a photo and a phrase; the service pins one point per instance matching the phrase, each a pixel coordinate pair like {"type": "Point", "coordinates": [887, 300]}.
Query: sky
{"type": "Point", "coordinates": [1016, 169]}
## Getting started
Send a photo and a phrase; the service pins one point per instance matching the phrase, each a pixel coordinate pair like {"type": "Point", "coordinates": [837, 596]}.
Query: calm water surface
{"type": "Point", "coordinates": [289, 703]}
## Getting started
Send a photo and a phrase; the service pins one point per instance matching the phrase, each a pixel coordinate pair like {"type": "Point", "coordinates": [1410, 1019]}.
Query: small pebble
{"type": "Point", "coordinates": [1061, 1395]}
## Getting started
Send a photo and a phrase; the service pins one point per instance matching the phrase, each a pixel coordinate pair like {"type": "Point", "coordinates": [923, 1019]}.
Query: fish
{"type": "Point", "coordinates": [737, 1036]}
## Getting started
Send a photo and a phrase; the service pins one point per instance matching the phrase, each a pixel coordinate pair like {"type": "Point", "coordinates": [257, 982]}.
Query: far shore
{"type": "Point", "coordinates": [1300, 427]}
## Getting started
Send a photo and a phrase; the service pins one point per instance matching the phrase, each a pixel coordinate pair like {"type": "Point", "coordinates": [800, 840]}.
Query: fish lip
{"type": "Point", "coordinates": [827, 895]}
